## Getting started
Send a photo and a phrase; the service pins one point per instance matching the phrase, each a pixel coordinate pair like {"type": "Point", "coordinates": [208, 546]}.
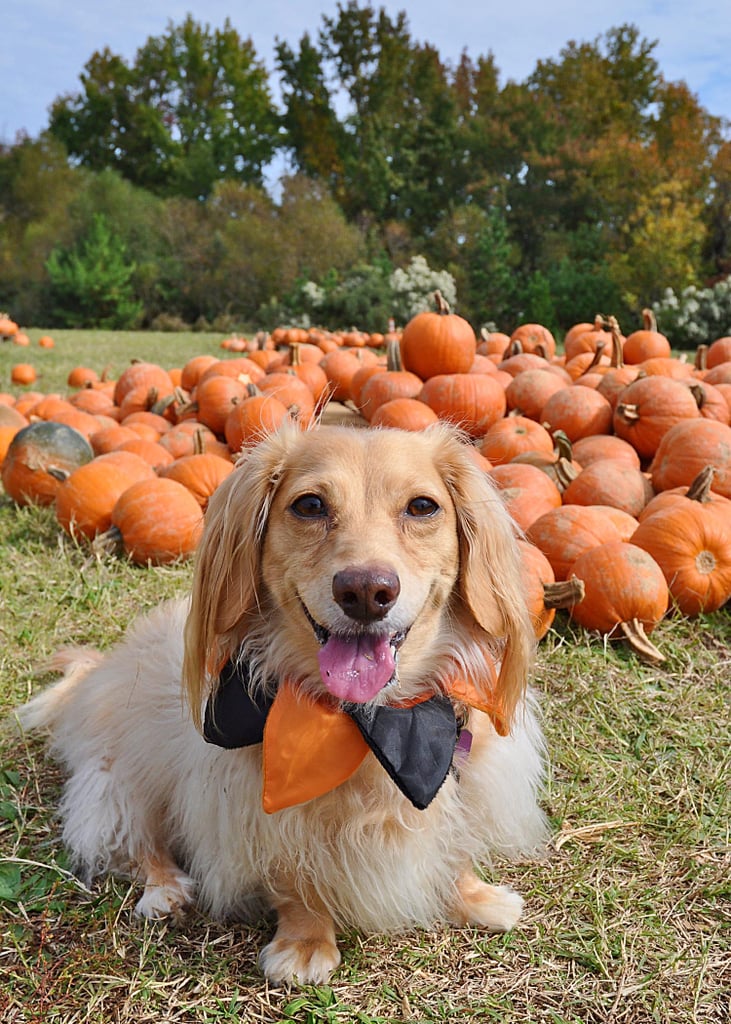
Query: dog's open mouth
{"type": "Point", "coordinates": [356, 666]}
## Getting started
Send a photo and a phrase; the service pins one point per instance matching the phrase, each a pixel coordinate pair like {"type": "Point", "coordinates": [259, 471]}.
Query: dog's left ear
{"type": "Point", "coordinates": [226, 576]}
{"type": "Point", "coordinates": [491, 574]}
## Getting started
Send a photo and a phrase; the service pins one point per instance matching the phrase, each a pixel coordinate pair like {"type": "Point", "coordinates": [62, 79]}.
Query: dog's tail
{"type": "Point", "coordinates": [44, 710]}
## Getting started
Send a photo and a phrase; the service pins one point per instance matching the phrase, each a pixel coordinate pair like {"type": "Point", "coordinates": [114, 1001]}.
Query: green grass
{"type": "Point", "coordinates": [627, 918]}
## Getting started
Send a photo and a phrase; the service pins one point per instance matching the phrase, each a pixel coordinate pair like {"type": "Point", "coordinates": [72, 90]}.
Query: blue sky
{"type": "Point", "coordinates": [46, 44]}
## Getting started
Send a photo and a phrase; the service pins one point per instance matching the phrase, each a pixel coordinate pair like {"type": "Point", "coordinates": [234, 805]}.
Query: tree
{"type": "Point", "coordinates": [91, 282]}
{"type": "Point", "coordinates": [194, 107]}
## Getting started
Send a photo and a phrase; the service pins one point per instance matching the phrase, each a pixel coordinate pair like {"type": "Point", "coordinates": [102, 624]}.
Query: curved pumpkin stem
{"type": "Point", "coordinates": [109, 542]}
{"type": "Point", "coordinates": [700, 488]}
{"type": "Point", "coordinates": [617, 359]}
{"type": "Point", "coordinates": [564, 593]}
{"type": "Point", "coordinates": [393, 356]}
{"type": "Point", "coordinates": [441, 303]}
{"type": "Point", "coordinates": [635, 635]}
{"type": "Point", "coordinates": [701, 355]}
{"type": "Point", "coordinates": [648, 320]}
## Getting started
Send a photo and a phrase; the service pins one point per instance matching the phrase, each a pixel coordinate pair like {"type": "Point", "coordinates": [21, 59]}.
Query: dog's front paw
{"type": "Point", "coordinates": [494, 907]}
{"type": "Point", "coordinates": [168, 898]}
{"type": "Point", "coordinates": [306, 961]}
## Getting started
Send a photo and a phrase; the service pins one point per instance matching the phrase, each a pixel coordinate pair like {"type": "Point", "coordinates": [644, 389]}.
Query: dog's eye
{"type": "Point", "coordinates": [309, 506]}
{"type": "Point", "coordinates": [420, 507]}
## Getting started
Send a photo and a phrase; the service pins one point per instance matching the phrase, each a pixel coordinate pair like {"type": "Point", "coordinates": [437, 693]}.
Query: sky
{"type": "Point", "coordinates": [46, 44]}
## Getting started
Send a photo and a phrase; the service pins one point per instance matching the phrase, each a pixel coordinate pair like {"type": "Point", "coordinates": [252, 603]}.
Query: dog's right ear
{"type": "Point", "coordinates": [226, 576]}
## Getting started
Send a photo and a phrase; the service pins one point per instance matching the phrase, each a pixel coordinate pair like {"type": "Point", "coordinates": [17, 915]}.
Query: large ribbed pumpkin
{"type": "Point", "coordinates": [438, 343]}
{"type": "Point", "coordinates": [472, 401]}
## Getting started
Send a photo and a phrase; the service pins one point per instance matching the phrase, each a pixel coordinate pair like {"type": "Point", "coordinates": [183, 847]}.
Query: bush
{"type": "Point", "coordinates": [697, 316]}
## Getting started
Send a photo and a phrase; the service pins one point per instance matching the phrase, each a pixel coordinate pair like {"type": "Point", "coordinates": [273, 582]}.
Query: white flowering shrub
{"type": "Point", "coordinates": [413, 289]}
{"type": "Point", "coordinates": [697, 316]}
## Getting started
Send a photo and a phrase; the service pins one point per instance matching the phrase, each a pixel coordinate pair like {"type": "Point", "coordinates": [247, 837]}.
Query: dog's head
{"type": "Point", "coordinates": [365, 563]}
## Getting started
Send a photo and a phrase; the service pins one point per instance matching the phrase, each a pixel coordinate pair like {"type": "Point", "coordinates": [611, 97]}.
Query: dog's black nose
{"type": "Point", "coordinates": [366, 593]}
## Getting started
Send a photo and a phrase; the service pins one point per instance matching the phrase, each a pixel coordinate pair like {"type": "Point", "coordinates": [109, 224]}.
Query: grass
{"type": "Point", "coordinates": [627, 918]}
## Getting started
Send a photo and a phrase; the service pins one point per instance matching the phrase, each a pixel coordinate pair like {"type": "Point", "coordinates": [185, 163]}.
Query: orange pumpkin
{"type": "Point", "coordinates": [200, 473]}
{"type": "Point", "coordinates": [564, 533]}
{"type": "Point", "coordinates": [625, 594]}
{"type": "Point", "coordinates": [512, 436]}
{"type": "Point", "coordinates": [156, 521]}
{"type": "Point", "coordinates": [527, 492]}
{"type": "Point", "coordinates": [404, 414]}
{"type": "Point", "coordinates": [578, 412]}
{"type": "Point", "coordinates": [84, 501]}
{"type": "Point", "coordinates": [647, 343]}
{"type": "Point", "coordinates": [23, 373]}
{"type": "Point", "coordinates": [648, 408]}
{"type": "Point", "coordinates": [438, 343]}
{"type": "Point", "coordinates": [610, 482]}
{"type": "Point", "coordinates": [691, 542]}
{"type": "Point", "coordinates": [687, 448]}
{"type": "Point", "coordinates": [528, 392]}
{"type": "Point", "coordinates": [472, 401]}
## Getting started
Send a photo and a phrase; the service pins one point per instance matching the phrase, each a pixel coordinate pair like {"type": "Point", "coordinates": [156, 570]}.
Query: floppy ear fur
{"type": "Point", "coordinates": [491, 576]}
{"type": "Point", "coordinates": [226, 576]}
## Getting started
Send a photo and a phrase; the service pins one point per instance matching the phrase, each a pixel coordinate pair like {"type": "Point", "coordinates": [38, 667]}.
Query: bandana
{"type": "Point", "coordinates": [311, 746]}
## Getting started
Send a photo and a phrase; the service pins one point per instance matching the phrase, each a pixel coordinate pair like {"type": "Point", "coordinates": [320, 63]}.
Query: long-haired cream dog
{"type": "Point", "coordinates": [355, 652]}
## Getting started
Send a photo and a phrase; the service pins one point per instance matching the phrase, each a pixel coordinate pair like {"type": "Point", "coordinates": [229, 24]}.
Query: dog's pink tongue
{"type": "Point", "coordinates": [356, 669]}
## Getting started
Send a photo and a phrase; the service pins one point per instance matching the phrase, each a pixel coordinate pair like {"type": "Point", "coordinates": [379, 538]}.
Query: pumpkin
{"type": "Point", "coordinates": [578, 412]}
{"type": "Point", "coordinates": [710, 400]}
{"type": "Point", "coordinates": [340, 367]}
{"type": "Point", "coordinates": [437, 343]}
{"type": "Point", "coordinates": [201, 473]}
{"type": "Point", "coordinates": [148, 376]}
{"type": "Point", "coordinates": [404, 414]}
{"type": "Point", "coordinates": [292, 392]}
{"type": "Point", "coordinates": [191, 372]}
{"type": "Point", "coordinates": [610, 482]}
{"type": "Point", "coordinates": [493, 343]}
{"type": "Point", "coordinates": [215, 397]}
{"type": "Point", "coordinates": [81, 376]}
{"type": "Point", "coordinates": [648, 408]}
{"type": "Point", "coordinates": [535, 338]}
{"type": "Point", "coordinates": [39, 458]}
{"type": "Point", "coordinates": [604, 446]}
{"type": "Point", "coordinates": [191, 437]}
{"type": "Point", "coordinates": [526, 491]}
{"type": "Point", "coordinates": [46, 341]}
{"type": "Point", "coordinates": [512, 436]}
{"type": "Point", "coordinates": [395, 382]}
{"type": "Point", "coordinates": [625, 594]}
{"type": "Point", "coordinates": [647, 343]}
{"type": "Point", "coordinates": [472, 401]}
{"type": "Point", "coordinates": [23, 373]}
{"type": "Point", "coordinates": [719, 351]}
{"type": "Point", "coordinates": [151, 451]}
{"type": "Point", "coordinates": [564, 533]}
{"type": "Point", "coordinates": [690, 540]}
{"type": "Point", "coordinates": [250, 420]}
{"type": "Point", "coordinates": [687, 448]}
{"type": "Point", "coordinates": [528, 392]}
{"type": "Point", "coordinates": [84, 501]}
{"type": "Point", "coordinates": [155, 521]}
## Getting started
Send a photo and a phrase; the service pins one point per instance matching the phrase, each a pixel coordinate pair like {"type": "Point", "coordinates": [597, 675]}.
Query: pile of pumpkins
{"type": "Point", "coordinates": [614, 457]}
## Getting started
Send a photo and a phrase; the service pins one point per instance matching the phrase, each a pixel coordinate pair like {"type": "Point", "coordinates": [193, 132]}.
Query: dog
{"type": "Point", "coordinates": [335, 724]}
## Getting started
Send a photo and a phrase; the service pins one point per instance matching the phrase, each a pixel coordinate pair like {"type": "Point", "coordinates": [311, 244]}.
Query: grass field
{"type": "Point", "coordinates": [627, 917]}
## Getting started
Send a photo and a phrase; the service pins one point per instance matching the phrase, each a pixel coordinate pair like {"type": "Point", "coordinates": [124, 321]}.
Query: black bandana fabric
{"type": "Point", "coordinates": [415, 745]}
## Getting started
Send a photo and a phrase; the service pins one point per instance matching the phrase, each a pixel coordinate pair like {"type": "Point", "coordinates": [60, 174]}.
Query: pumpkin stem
{"type": "Point", "coordinates": [629, 413]}
{"type": "Point", "coordinates": [700, 488]}
{"type": "Point", "coordinates": [514, 349]}
{"type": "Point", "coordinates": [564, 593]}
{"type": "Point", "coordinates": [648, 320]}
{"type": "Point", "coordinates": [598, 353]}
{"type": "Point", "coordinates": [617, 359]}
{"type": "Point", "coordinates": [701, 354]}
{"type": "Point", "coordinates": [636, 637]}
{"type": "Point", "coordinates": [562, 445]}
{"type": "Point", "coordinates": [393, 356]}
{"type": "Point", "coordinates": [109, 542]}
{"type": "Point", "coordinates": [441, 303]}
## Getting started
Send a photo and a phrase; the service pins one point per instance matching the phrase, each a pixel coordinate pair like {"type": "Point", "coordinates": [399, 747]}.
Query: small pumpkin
{"type": "Point", "coordinates": [648, 407]}
{"type": "Point", "coordinates": [687, 448]}
{"type": "Point", "coordinates": [201, 473]}
{"type": "Point", "coordinates": [513, 435]}
{"type": "Point", "coordinates": [404, 414]}
{"type": "Point", "coordinates": [527, 492]}
{"type": "Point", "coordinates": [646, 343]}
{"type": "Point", "coordinates": [472, 401]}
{"type": "Point", "coordinates": [23, 373]}
{"type": "Point", "coordinates": [578, 412]}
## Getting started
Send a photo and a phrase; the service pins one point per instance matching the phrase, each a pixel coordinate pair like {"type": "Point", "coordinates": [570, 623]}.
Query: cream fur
{"type": "Point", "coordinates": [147, 796]}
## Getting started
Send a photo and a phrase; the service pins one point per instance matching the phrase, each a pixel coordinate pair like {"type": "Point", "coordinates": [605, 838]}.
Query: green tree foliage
{"type": "Point", "coordinates": [194, 107]}
{"type": "Point", "coordinates": [91, 283]}
{"type": "Point", "coordinates": [592, 186]}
